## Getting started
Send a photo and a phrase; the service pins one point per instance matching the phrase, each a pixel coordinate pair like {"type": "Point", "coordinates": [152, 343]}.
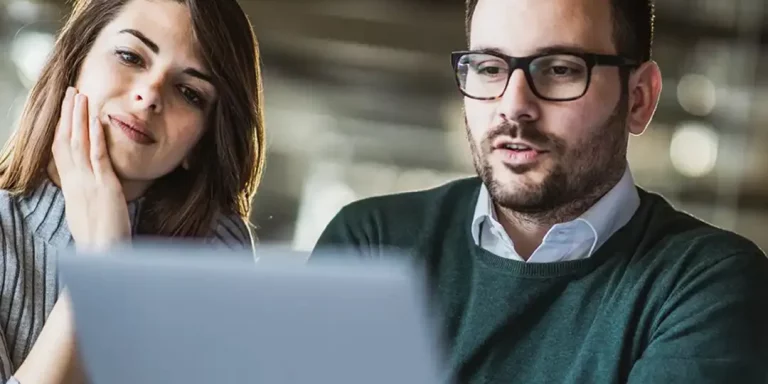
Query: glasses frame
{"type": "Point", "coordinates": [524, 63]}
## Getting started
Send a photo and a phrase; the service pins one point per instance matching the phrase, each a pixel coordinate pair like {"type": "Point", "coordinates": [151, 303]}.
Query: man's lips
{"type": "Point", "coordinates": [518, 152]}
{"type": "Point", "coordinates": [516, 145]}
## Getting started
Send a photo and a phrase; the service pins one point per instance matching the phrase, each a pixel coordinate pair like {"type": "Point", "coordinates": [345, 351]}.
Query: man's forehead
{"type": "Point", "coordinates": [523, 27]}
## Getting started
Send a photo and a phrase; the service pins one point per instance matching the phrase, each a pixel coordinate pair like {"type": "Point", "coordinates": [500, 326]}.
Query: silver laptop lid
{"type": "Point", "coordinates": [179, 314]}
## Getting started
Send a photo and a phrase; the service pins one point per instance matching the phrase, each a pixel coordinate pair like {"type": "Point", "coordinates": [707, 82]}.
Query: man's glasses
{"type": "Point", "coordinates": [553, 76]}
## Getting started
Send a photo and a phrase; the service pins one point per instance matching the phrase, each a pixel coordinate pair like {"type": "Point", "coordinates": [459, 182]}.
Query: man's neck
{"type": "Point", "coordinates": [527, 230]}
{"type": "Point", "coordinates": [526, 233]}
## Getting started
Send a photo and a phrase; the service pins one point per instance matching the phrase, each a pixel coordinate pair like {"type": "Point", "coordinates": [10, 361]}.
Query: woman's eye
{"type": "Point", "coordinates": [129, 57]}
{"type": "Point", "coordinates": [193, 97]}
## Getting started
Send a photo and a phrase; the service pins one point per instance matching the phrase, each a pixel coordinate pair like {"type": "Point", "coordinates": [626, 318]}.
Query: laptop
{"type": "Point", "coordinates": [170, 313]}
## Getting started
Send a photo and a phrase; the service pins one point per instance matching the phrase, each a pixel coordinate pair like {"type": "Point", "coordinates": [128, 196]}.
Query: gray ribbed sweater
{"type": "Point", "coordinates": [32, 230]}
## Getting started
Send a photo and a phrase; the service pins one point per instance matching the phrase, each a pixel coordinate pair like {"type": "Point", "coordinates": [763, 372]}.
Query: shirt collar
{"type": "Point", "coordinates": [483, 211]}
{"type": "Point", "coordinates": [613, 210]}
{"type": "Point", "coordinates": [603, 219]}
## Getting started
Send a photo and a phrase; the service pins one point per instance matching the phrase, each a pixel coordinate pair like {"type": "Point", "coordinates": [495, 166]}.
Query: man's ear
{"type": "Point", "coordinates": [644, 92]}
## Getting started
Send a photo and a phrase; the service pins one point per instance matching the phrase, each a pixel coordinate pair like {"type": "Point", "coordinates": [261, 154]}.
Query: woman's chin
{"type": "Point", "coordinates": [132, 171]}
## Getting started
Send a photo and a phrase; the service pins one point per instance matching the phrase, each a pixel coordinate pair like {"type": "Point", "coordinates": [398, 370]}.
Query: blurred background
{"type": "Point", "coordinates": [360, 101]}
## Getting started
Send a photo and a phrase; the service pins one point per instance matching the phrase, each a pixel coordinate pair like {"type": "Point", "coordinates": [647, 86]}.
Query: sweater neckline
{"type": "Point", "coordinates": [616, 246]}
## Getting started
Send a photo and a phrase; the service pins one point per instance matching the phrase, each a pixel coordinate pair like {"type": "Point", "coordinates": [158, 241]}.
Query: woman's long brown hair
{"type": "Point", "coordinates": [226, 165]}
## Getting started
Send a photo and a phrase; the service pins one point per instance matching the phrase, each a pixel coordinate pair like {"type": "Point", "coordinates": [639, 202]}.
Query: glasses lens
{"type": "Point", "coordinates": [560, 77]}
{"type": "Point", "coordinates": [481, 75]}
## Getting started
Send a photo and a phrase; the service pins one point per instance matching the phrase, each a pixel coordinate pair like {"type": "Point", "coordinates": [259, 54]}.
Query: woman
{"type": "Point", "coordinates": [147, 120]}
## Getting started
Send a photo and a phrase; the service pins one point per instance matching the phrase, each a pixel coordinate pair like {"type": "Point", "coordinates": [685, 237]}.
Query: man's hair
{"type": "Point", "coordinates": [632, 26]}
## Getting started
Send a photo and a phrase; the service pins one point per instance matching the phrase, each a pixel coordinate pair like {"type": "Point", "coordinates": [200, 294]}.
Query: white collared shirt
{"type": "Point", "coordinates": [573, 240]}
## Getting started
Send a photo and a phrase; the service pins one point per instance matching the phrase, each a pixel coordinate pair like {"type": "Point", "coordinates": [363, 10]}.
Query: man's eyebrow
{"type": "Point", "coordinates": [560, 48]}
{"type": "Point", "coordinates": [489, 50]}
{"type": "Point", "coordinates": [551, 49]}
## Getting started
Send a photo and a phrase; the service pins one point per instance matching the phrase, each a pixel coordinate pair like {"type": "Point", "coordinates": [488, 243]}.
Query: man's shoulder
{"type": "Point", "coordinates": [675, 232]}
{"type": "Point", "coordinates": [413, 204]}
{"type": "Point", "coordinates": [708, 245]}
{"type": "Point", "coordinates": [399, 220]}
{"type": "Point", "coordinates": [699, 285]}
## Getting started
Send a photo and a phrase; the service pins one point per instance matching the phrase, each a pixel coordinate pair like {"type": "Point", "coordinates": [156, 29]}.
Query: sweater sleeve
{"type": "Point", "coordinates": [6, 296]}
{"type": "Point", "coordinates": [6, 367]}
{"type": "Point", "coordinates": [713, 328]}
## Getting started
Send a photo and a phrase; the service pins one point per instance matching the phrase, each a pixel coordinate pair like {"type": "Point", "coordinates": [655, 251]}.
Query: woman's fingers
{"type": "Point", "coordinates": [62, 153]}
{"type": "Point", "coordinates": [79, 141]}
{"type": "Point", "coordinates": [99, 157]}
{"type": "Point", "coordinates": [80, 144]}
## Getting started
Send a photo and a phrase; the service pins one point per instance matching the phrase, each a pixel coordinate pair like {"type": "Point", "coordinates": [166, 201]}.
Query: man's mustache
{"type": "Point", "coordinates": [524, 132]}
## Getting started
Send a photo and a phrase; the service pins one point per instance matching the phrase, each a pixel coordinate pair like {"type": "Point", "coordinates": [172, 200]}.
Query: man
{"type": "Point", "coordinates": [552, 267]}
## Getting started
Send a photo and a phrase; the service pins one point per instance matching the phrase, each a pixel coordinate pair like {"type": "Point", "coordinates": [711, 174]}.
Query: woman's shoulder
{"type": "Point", "coordinates": [7, 197]}
{"type": "Point", "coordinates": [38, 202]}
{"type": "Point", "coordinates": [13, 206]}
{"type": "Point", "coordinates": [15, 210]}
{"type": "Point", "coordinates": [38, 213]}
{"type": "Point", "coordinates": [231, 230]}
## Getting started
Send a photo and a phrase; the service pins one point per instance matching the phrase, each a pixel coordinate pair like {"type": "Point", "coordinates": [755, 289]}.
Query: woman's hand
{"type": "Point", "coordinates": [96, 209]}
{"type": "Point", "coordinates": [97, 215]}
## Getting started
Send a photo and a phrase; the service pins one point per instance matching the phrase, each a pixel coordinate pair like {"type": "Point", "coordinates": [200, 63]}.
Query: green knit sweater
{"type": "Point", "coordinates": [667, 299]}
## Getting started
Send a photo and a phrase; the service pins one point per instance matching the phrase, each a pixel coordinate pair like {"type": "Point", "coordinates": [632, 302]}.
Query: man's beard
{"type": "Point", "coordinates": [580, 175]}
